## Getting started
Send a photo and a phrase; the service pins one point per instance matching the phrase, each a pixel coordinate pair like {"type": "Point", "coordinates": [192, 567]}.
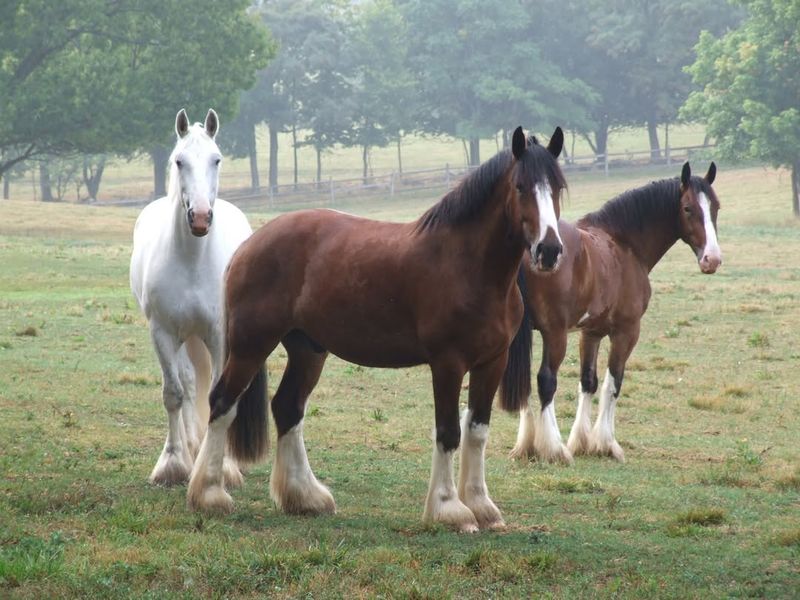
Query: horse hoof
{"type": "Point", "coordinates": [170, 471]}
{"type": "Point", "coordinates": [486, 513]}
{"type": "Point", "coordinates": [521, 453]}
{"type": "Point", "coordinates": [313, 499]}
{"type": "Point", "coordinates": [212, 500]}
{"type": "Point", "coordinates": [452, 513]}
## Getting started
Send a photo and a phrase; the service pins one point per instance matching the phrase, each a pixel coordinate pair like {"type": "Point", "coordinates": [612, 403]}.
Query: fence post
{"type": "Point", "coordinates": [333, 196]}
{"type": "Point", "coordinates": [391, 185]}
{"type": "Point", "coordinates": [605, 163]}
{"type": "Point", "coordinates": [447, 175]}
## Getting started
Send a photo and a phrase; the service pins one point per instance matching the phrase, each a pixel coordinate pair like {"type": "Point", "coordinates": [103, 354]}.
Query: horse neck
{"type": "Point", "coordinates": [652, 241]}
{"type": "Point", "coordinates": [497, 241]}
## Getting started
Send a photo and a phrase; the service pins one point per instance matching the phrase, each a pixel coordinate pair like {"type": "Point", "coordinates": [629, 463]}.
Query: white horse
{"type": "Point", "coordinates": [177, 268]}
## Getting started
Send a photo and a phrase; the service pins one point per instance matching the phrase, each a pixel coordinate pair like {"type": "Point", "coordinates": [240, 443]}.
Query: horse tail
{"type": "Point", "coordinates": [515, 386]}
{"type": "Point", "coordinates": [248, 435]}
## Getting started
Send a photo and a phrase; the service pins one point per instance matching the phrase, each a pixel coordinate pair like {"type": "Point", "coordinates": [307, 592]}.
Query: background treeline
{"type": "Point", "coordinates": [82, 80]}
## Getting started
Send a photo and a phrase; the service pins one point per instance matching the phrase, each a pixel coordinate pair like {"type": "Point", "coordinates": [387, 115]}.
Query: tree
{"type": "Point", "coordinates": [107, 76]}
{"type": "Point", "coordinates": [751, 87]}
{"type": "Point", "coordinates": [382, 85]}
{"type": "Point", "coordinates": [632, 55]}
{"type": "Point", "coordinates": [480, 69]}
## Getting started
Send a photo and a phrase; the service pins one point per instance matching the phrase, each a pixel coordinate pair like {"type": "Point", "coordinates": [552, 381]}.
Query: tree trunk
{"type": "Point", "coordinates": [474, 151]}
{"type": "Point", "coordinates": [652, 132]}
{"type": "Point", "coordinates": [399, 156]}
{"type": "Point", "coordinates": [44, 182]}
{"type": "Point", "coordinates": [319, 165]}
{"type": "Point", "coordinates": [6, 188]}
{"type": "Point", "coordinates": [796, 188]}
{"type": "Point", "coordinates": [252, 154]}
{"type": "Point", "coordinates": [92, 176]}
{"type": "Point", "coordinates": [160, 157]}
{"type": "Point", "coordinates": [601, 141]}
{"type": "Point", "coordinates": [273, 158]}
{"type": "Point", "coordinates": [294, 152]}
{"type": "Point", "coordinates": [364, 162]}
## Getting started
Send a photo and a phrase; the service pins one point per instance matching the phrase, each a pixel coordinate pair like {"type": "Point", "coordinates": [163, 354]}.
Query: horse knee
{"type": "Point", "coordinates": [448, 437]}
{"type": "Point", "coordinates": [172, 396]}
{"type": "Point", "coordinates": [589, 381]}
{"type": "Point", "coordinates": [547, 383]}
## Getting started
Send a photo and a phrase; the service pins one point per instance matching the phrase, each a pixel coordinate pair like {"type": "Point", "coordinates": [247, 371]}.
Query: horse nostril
{"type": "Point", "coordinates": [538, 251]}
{"type": "Point", "coordinates": [190, 215]}
{"type": "Point", "coordinates": [210, 216]}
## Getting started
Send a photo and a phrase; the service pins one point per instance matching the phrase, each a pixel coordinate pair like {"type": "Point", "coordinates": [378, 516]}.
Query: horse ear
{"type": "Point", "coordinates": [181, 123]}
{"type": "Point", "coordinates": [686, 174]}
{"type": "Point", "coordinates": [212, 123]}
{"type": "Point", "coordinates": [556, 143]}
{"type": "Point", "coordinates": [518, 143]}
{"type": "Point", "coordinates": [712, 173]}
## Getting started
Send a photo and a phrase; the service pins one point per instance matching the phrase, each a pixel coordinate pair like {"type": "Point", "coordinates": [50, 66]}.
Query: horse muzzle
{"type": "Point", "coordinates": [546, 257]}
{"type": "Point", "coordinates": [710, 263]}
{"type": "Point", "coordinates": [199, 221]}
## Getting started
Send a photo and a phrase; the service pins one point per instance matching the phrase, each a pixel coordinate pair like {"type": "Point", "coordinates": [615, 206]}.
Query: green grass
{"type": "Point", "coordinates": [705, 506]}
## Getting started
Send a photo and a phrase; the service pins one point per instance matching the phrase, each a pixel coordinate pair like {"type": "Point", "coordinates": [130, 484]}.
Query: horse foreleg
{"type": "Point", "coordinates": [472, 488]}
{"type": "Point", "coordinates": [602, 441]}
{"type": "Point", "coordinates": [547, 441]}
{"type": "Point", "coordinates": [293, 486]}
{"type": "Point", "coordinates": [442, 504]}
{"type": "Point", "coordinates": [175, 462]}
{"type": "Point", "coordinates": [578, 442]}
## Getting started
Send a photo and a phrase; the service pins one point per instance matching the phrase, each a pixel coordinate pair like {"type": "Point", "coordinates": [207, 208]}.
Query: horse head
{"type": "Point", "coordinates": [538, 182]}
{"type": "Point", "coordinates": [194, 169]}
{"type": "Point", "coordinates": [698, 217]}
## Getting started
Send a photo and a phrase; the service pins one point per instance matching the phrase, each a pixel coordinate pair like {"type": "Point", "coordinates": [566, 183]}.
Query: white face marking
{"type": "Point", "coordinates": [712, 246]}
{"type": "Point", "coordinates": [547, 213]}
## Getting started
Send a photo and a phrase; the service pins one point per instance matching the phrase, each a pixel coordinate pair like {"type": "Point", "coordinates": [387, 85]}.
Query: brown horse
{"type": "Point", "coordinates": [439, 291]}
{"type": "Point", "coordinates": [602, 288]}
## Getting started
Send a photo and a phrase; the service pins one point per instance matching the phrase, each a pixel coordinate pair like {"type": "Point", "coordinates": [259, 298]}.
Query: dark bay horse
{"type": "Point", "coordinates": [602, 287]}
{"type": "Point", "coordinates": [439, 291]}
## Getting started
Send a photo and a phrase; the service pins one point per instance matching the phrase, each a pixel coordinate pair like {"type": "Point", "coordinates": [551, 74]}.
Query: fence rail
{"type": "Point", "coordinates": [331, 191]}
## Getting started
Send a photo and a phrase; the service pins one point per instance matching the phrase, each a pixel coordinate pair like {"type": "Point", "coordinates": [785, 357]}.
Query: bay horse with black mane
{"type": "Point", "coordinates": [602, 287]}
{"type": "Point", "coordinates": [439, 291]}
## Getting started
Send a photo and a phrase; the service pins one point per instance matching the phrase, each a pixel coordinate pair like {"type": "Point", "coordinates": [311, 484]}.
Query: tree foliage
{"type": "Point", "coordinates": [107, 76]}
{"type": "Point", "coordinates": [750, 78]}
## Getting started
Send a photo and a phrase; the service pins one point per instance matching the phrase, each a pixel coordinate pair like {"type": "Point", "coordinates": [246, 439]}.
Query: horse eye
{"type": "Point", "coordinates": [178, 163]}
{"type": "Point", "coordinates": [687, 210]}
{"type": "Point", "coordinates": [217, 161]}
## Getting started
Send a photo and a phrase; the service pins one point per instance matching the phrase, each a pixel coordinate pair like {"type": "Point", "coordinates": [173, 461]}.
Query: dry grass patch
{"type": "Point", "coordinates": [29, 331]}
{"type": "Point", "coordinates": [136, 379]}
{"type": "Point", "coordinates": [717, 404]}
{"type": "Point", "coordinates": [788, 538]}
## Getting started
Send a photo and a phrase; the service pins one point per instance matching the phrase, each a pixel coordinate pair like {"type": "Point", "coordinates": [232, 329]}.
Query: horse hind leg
{"type": "Point", "coordinates": [525, 447]}
{"type": "Point", "coordinates": [293, 486]}
{"type": "Point", "coordinates": [578, 442]}
{"type": "Point", "coordinates": [602, 441]}
{"type": "Point", "coordinates": [175, 462]}
{"type": "Point", "coordinates": [195, 374]}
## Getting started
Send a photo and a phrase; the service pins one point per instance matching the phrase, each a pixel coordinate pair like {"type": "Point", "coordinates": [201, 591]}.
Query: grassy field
{"type": "Point", "coordinates": [707, 505]}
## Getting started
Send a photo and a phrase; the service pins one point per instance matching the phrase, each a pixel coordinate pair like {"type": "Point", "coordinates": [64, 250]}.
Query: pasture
{"type": "Point", "coordinates": [707, 504]}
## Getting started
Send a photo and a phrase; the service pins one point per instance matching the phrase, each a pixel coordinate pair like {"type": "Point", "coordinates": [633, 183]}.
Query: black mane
{"type": "Point", "coordinates": [467, 199]}
{"type": "Point", "coordinates": [632, 210]}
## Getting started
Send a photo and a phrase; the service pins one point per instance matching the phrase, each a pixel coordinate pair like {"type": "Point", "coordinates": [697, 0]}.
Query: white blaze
{"type": "Point", "coordinates": [547, 213]}
{"type": "Point", "coordinates": [712, 249]}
